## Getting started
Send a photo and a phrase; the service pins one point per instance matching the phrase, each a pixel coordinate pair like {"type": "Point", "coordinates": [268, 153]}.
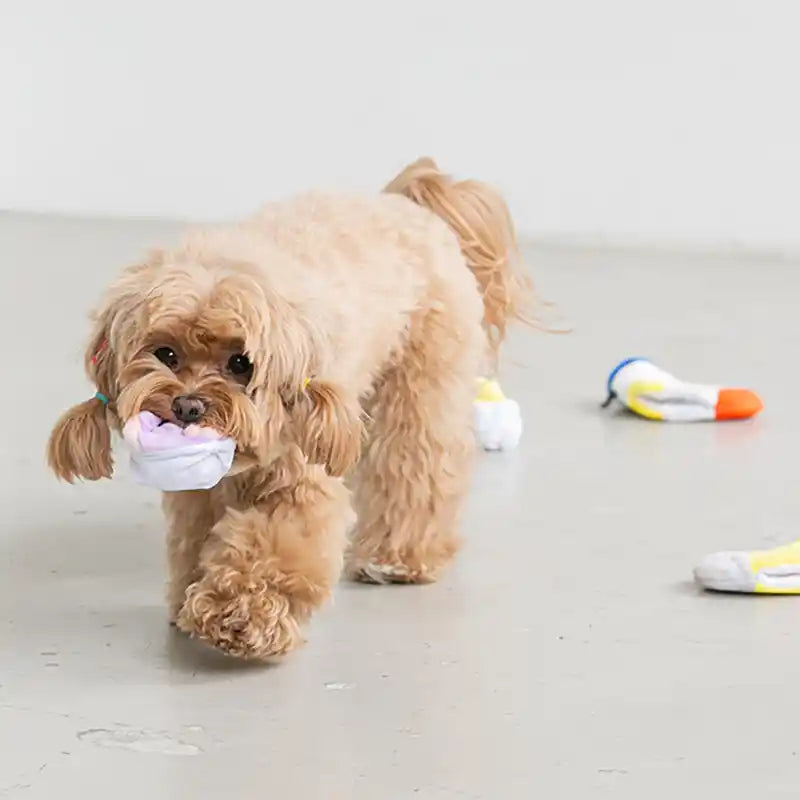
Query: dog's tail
{"type": "Point", "coordinates": [480, 219]}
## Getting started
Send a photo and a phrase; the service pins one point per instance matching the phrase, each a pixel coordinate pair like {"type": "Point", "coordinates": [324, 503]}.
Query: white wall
{"type": "Point", "coordinates": [652, 119]}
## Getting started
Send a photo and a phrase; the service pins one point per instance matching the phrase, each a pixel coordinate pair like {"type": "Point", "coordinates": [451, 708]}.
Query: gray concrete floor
{"type": "Point", "coordinates": [565, 655]}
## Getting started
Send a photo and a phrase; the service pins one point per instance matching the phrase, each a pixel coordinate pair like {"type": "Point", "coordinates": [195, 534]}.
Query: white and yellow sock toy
{"type": "Point", "coordinates": [651, 392]}
{"type": "Point", "coordinates": [498, 422]}
{"type": "Point", "coordinates": [775, 571]}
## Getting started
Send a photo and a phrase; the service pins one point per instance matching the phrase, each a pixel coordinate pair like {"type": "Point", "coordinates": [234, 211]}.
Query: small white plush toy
{"type": "Point", "coordinates": [498, 422]}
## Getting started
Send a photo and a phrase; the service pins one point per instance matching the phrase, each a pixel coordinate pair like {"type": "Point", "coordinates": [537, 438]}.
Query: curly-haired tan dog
{"type": "Point", "coordinates": [329, 336]}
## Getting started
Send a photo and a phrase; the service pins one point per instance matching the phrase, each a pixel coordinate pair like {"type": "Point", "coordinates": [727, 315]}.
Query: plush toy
{"type": "Point", "coordinates": [653, 393]}
{"type": "Point", "coordinates": [775, 571]}
{"type": "Point", "coordinates": [174, 459]}
{"type": "Point", "coordinates": [498, 422]}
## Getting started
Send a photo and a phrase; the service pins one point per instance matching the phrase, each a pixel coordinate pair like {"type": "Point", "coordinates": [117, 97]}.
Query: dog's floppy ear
{"type": "Point", "coordinates": [329, 427]}
{"type": "Point", "coordinates": [80, 443]}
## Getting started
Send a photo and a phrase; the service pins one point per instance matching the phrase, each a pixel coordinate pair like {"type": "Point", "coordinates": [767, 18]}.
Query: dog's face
{"type": "Point", "coordinates": [187, 371]}
{"type": "Point", "coordinates": [211, 346]}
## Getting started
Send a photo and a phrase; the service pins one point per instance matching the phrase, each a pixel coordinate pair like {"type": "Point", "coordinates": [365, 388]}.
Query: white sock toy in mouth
{"type": "Point", "coordinates": [174, 459]}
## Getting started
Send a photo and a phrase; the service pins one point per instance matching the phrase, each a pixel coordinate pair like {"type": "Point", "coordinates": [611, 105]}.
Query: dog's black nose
{"type": "Point", "coordinates": [188, 408]}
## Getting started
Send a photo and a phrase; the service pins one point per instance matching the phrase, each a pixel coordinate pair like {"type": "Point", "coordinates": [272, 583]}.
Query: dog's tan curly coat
{"type": "Point", "coordinates": [366, 322]}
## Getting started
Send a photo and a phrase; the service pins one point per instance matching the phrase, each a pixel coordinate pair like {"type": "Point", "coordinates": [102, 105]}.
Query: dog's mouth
{"type": "Point", "coordinates": [173, 420]}
{"type": "Point", "coordinates": [166, 416]}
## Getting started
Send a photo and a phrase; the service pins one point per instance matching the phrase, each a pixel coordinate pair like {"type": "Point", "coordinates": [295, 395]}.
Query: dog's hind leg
{"type": "Point", "coordinates": [414, 472]}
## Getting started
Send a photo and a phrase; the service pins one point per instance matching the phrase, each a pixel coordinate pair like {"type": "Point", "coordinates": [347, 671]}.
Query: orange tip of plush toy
{"type": "Point", "coordinates": [737, 404]}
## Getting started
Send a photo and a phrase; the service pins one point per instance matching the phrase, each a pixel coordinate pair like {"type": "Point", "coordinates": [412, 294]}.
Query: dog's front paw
{"type": "Point", "coordinates": [247, 621]}
{"type": "Point", "coordinates": [376, 571]}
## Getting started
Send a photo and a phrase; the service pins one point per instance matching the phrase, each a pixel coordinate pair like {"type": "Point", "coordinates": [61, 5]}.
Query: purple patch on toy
{"type": "Point", "coordinates": [147, 432]}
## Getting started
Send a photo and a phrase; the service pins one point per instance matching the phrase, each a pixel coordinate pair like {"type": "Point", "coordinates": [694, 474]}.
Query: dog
{"type": "Point", "coordinates": [337, 340]}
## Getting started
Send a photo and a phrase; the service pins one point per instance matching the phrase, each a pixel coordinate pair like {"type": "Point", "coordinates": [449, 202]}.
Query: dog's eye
{"type": "Point", "coordinates": [239, 365]}
{"type": "Point", "coordinates": [167, 356]}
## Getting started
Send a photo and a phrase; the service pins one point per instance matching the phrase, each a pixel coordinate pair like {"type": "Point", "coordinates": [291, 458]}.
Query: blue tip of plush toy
{"type": "Point", "coordinates": [619, 367]}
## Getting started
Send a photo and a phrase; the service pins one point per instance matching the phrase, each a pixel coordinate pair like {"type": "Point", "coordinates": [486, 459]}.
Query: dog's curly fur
{"type": "Point", "coordinates": [366, 321]}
